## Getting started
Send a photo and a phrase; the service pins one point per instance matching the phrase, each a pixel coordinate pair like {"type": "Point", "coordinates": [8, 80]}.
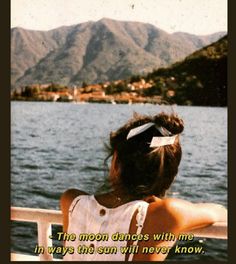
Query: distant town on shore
{"type": "Point", "coordinates": [136, 91]}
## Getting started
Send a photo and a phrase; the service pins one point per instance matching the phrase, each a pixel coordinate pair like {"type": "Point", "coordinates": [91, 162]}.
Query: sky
{"type": "Point", "coordinates": [198, 17]}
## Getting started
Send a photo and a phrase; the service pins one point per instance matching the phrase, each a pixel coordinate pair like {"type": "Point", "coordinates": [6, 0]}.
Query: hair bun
{"type": "Point", "coordinates": [171, 122]}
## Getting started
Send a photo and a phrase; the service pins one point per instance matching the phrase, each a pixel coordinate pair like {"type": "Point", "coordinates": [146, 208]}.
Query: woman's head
{"type": "Point", "coordinates": [138, 166]}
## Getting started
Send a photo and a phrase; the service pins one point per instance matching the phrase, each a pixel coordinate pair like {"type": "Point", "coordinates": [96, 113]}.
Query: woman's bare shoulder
{"type": "Point", "coordinates": [179, 215]}
{"type": "Point", "coordinates": [172, 205]}
{"type": "Point", "coordinates": [68, 196]}
{"type": "Point", "coordinates": [66, 199]}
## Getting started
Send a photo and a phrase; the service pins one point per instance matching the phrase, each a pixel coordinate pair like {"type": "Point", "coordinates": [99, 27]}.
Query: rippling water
{"type": "Point", "coordinates": [56, 146]}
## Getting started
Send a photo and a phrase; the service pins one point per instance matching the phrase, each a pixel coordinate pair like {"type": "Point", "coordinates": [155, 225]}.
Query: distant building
{"type": "Point", "coordinates": [170, 93]}
{"type": "Point", "coordinates": [75, 91]}
{"type": "Point", "coordinates": [98, 93]}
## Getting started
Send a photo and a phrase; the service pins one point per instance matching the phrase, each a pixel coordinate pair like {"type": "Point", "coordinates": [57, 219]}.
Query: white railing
{"type": "Point", "coordinates": [45, 218]}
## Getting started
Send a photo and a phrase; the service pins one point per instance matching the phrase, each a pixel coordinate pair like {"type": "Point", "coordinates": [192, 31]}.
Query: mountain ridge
{"type": "Point", "coordinates": [95, 52]}
{"type": "Point", "coordinates": [200, 79]}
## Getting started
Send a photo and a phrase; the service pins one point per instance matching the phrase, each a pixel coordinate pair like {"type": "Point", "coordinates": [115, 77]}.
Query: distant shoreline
{"type": "Point", "coordinates": [99, 101]}
{"type": "Point", "coordinates": [116, 103]}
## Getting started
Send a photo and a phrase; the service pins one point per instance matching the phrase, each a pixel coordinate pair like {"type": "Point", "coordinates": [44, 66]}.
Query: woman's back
{"type": "Point", "coordinates": [103, 228]}
{"type": "Point", "coordinates": [125, 226]}
{"type": "Point", "coordinates": [85, 215]}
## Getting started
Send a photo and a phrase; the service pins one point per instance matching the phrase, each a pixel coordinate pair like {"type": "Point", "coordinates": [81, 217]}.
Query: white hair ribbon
{"type": "Point", "coordinates": [167, 139]}
{"type": "Point", "coordinates": [162, 141]}
{"type": "Point", "coordinates": [138, 130]}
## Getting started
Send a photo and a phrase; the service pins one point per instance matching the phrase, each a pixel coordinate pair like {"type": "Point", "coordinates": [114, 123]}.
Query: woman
{"type": "Point", "coordinates": [146, 153]}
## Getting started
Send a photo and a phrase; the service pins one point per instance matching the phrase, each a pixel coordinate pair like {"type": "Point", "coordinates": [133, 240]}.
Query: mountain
{"type": "Point", "coordinates": [96, 52]}
{"type": "Point", "coordinates": [200, 79]}
{"type": "Point", "coordinates": [28, 47]}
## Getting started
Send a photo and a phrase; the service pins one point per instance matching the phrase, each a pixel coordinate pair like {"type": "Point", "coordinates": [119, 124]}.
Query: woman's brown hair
{"type": "Point", "coordinates": [144, 171]}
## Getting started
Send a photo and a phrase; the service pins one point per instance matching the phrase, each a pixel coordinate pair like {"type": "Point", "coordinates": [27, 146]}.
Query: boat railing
{"type": "Point", "coordinates": [45, 218]}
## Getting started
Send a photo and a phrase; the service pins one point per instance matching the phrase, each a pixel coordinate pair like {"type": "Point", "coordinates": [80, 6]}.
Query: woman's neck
{"type": "Point", "coordinates": [115, 198]}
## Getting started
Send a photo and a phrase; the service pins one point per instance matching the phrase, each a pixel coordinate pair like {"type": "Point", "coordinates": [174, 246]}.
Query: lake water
{"type": "Point", "coordinates": [56, 146]}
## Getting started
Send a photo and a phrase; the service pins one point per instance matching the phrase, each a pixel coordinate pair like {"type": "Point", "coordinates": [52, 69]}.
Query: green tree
{"type": "Point", "coordinates": [28, 91]}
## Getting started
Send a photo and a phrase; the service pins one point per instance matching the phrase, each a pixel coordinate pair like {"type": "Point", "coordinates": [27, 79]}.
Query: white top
{"type": "Point", "coordinates": [87, 216]}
